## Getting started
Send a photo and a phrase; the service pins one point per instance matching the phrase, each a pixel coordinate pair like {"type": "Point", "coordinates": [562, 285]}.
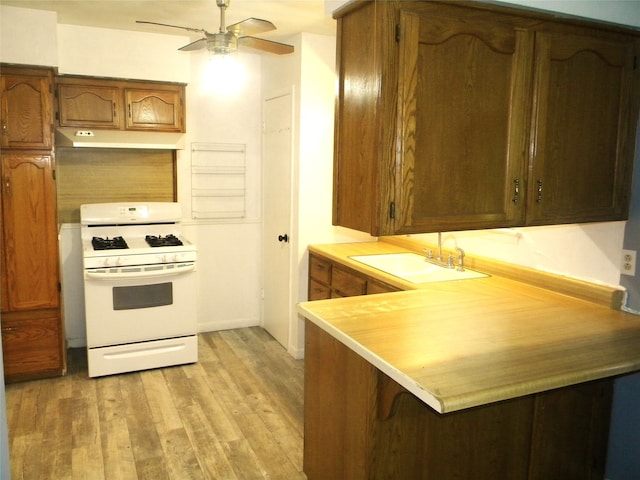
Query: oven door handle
{"type": "Point", "coordinates": [104, 274]}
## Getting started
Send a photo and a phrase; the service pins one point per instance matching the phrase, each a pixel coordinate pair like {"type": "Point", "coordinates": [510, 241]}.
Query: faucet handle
{"type": "Point", "coordinates": [460, 259]}
{"type": "Point", "coordinates": [450, 260]}
{"type": "Point", "coordinates": [429, 252]}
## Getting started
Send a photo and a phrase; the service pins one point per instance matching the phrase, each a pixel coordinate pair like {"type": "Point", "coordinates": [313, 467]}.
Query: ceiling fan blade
{"type": "Point", "coordinates": [173, 26]}
{"type": "Point", "coordinates": [251, 26]}
{"type": "Point", "coordinates": [197, 45]}
{"type": "Point", "coordinates": [265, 45]}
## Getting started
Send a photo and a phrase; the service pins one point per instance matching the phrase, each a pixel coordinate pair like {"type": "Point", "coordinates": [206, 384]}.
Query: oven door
{"type": "Point", "coordinates": [140, 303]}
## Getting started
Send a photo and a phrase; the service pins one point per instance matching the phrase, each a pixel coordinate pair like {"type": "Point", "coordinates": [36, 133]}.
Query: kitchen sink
{"type": "Point", "coordinates": [414, 268]}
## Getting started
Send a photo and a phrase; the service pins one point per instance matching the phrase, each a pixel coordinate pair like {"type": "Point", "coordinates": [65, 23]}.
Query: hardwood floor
{"type": "Point", "coordinates": [236, 414]}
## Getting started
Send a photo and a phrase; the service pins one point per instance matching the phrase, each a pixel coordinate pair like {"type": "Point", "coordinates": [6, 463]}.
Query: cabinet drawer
{"type": "Point", "coordinates": [373, 286]}
{"type": "Point", "coordinates": [347, 283]}
{"type": "Point", "coordinates": [318, 291]}
{"type": "Point", "coordinates": [320, 270]}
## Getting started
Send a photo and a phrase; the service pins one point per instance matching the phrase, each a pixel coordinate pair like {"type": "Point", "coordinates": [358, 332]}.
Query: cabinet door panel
{"type": "Point", "coordinates": [90, 106]}
{"type": "Point", "coordinates": [154, 109]}
{"type": "Point", "coordinates": [581, 130]}
{"type": "Point", "coordinates": [454, 174]}
{"type": "Point", "coordinates": [570, 432]}
{"type": "Point", "coordinates": [32, 347]}
{"type": "Point", "coordinates": [26, 111]}
{"type": "Point", "coordinates": [30, 233]}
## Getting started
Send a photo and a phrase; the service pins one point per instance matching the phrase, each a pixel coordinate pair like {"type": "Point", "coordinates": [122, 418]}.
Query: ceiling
{"type": "Point", "coordinates": [289, 16]}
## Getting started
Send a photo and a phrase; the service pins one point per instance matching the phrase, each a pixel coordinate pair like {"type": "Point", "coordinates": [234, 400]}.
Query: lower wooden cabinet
{"type": "Point", "coordinates": [329, 279]}
{"type": "Point", "coordinates": [360, 424]}
{"type": "Point", "coordinates": [32, 332]}
{"type": "Point", "coordinates": [32, 345]}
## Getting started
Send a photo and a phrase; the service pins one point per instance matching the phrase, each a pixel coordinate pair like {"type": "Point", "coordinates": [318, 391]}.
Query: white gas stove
{"type": "Point", "coordinates": [139, 275]}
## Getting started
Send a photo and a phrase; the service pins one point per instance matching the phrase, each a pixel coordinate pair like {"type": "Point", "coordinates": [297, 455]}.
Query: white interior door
{"type": "Point", "coordinates": [277, 250]}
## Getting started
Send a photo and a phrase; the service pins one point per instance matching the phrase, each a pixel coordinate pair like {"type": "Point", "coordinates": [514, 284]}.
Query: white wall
{"type": "Point", "coordinates": [103, 52]}
{"type": "Point", "coordinates": [28, 36]}
{"type": "Point", "coordinates": [223, 105]}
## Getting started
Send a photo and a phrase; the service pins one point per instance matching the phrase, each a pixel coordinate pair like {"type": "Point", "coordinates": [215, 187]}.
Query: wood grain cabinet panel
{"type": "Point", "coordinates": [26, 100]}
{"type": "Point", "coordinates": [154, 109]}
{"type": "Point", "coordinates": [29, 223]}
{"type": "Point", "coordinates": [462, 96]}
{"type": "Point", "coordinates": [90, 106]}
{"type": "Point", "coordinates": [583, 125]}
{"type": "Point", "coordinates": [120, 104]}
{"type": "Point", "coordinates": [455, 116]}
{"type": "Point", "coordinates": [31, 345]}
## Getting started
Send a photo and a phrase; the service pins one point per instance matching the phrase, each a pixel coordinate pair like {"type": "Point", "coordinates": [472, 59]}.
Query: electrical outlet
{"type": "Point", "coordinates": [628, 262]}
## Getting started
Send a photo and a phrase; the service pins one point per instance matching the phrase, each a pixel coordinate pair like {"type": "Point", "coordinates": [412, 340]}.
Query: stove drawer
{"type": "Point", "coordinates": [142, 356]}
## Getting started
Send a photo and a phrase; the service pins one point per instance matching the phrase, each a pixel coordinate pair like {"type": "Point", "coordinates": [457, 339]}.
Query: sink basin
{"type": "Point", "coordinates": [414, 268]}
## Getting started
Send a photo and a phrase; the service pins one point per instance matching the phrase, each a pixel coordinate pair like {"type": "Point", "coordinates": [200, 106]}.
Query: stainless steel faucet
{"type": "Point", "coordinates": [449, 263]}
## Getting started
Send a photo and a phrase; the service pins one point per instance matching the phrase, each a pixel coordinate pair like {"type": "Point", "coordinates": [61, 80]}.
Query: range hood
{"type": "Point", "coordinates": [85, 138]}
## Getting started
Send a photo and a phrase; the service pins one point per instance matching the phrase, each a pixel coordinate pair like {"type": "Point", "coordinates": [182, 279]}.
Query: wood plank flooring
{"type": "Point", "coordinates": [236, 414]}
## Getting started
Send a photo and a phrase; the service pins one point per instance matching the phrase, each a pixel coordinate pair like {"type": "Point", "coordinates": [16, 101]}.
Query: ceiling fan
{"type": "Point", "coordinates": [230, 37]}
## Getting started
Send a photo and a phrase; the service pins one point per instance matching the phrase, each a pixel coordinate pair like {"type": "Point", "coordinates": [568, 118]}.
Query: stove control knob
{"type": "Point", "coordinates": [107, 262]}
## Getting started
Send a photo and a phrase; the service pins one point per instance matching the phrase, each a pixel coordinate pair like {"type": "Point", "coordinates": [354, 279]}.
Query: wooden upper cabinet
{"type": "Point", "coordinates": [455, 116]}
{"type": "Point", "coordinates": [154, 109]}
{"type": "Point", "coordinates": [30, 253]}
{"type": "Point", "coordinates": [583, 133]}
{"type": "Point", "coordinates": [462, 119]}
{"type": "Point", "coordinates": [90, 106]}
{"type": "Point", "coordinates": [26, 106]}
{"type": "Point", "coordinates": [86, 102]}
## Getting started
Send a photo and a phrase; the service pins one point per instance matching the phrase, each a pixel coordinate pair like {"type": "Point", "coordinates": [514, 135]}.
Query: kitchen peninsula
{"type": "Point", "coordinates": [483, 378]}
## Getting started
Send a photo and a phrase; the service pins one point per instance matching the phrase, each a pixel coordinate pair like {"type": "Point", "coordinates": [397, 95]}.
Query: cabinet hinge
{"type": "Point", "coordinates": [392, 210]}
{"type": "Point", "coordinates": [59, 287]}
{"type": "Point", "coordinates": [398, 33]}
{"type": "Point", "coordinates": [635, 62]}
{"type": "Point", "coordinates": [53, 173]}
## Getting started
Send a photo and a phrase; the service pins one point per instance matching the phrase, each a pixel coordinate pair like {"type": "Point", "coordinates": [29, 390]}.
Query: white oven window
{"type": "Point", "coordinates": [142, 296]}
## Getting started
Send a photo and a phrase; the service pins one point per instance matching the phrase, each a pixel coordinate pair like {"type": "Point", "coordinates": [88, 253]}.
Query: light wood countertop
{"type": "Point", "coordinates": [460, 344]}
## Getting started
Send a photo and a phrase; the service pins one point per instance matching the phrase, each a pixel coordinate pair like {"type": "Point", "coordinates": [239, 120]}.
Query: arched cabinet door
{"type": "Point", "coordinates": [26, 109]}
{"type": "Point", "coordinates": [30, 239]}
{"type": "Point", "coordinates": [583, 128]}
{"type": "Point", "coordinates": [154, 109]}
{"type": "Point", "coordinates": [462, 118]}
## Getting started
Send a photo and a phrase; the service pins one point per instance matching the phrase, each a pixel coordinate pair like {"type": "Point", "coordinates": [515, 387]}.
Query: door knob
{"type": "Point", "coordinates": [283, 238]}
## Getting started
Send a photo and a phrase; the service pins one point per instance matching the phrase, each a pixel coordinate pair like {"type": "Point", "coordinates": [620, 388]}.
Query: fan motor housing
{"type": "Point", "coordinates": [222, 42]}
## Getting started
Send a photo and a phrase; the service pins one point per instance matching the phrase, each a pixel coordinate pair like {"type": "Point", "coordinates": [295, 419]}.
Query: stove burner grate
{"type": "Point", "coordinates": [160, 241]}
{"type": "Point", "coordinates": [115, 243]}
